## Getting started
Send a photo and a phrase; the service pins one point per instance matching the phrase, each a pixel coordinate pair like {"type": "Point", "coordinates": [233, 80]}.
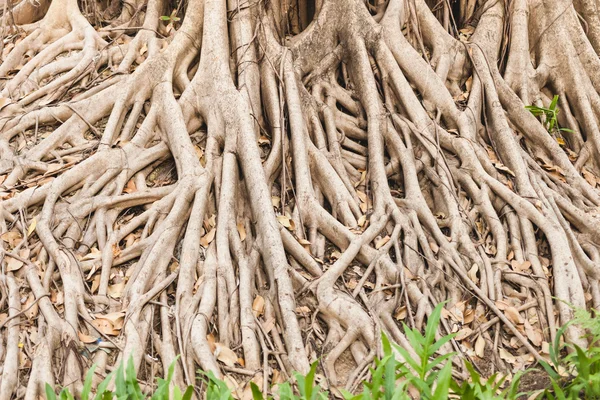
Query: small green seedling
{"type": "Point", "coordinates": [550, 118]}
{"type": "Point", "coordinates": [170, 18]}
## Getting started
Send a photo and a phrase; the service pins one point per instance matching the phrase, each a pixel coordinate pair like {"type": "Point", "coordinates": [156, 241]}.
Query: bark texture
{"type": "Point", "coordinates": [254, 185]}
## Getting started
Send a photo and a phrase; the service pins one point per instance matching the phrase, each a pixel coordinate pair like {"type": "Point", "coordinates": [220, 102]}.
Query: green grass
{"type": "Point", "coordinates": [392, 377]}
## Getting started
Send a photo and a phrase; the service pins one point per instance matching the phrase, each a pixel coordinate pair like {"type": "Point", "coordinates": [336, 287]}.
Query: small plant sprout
{"type": "Point", "coordinates": [549, 117]}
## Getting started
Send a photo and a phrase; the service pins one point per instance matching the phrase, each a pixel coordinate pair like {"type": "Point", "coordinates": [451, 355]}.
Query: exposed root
{"type": "Point", "coordinates": [252, 203]}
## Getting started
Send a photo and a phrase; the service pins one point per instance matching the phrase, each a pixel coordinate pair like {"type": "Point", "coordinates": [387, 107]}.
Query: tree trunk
{"type": "Point", "coordinates": [254, 185]}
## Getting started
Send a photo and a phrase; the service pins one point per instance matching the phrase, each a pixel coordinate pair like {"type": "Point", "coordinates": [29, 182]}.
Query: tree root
{"type": "Point", "coordinates": [251, 204]}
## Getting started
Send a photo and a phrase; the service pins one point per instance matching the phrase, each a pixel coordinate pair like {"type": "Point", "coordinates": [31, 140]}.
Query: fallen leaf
{"type": "Point", "coordinates": [130, 187]}
{"type": "Point", "coordinates": [473, 273]}
{"type": "Point", "coordinates": [268, 325]}
{"type": "Point", "coordinates": [258, 306]}
{"type": "Point", "coordinates": [86, 338]}
{"type": "Point", "coordinates": [225, 355]}
{"type": "Point", "coordinates": [513, 315]}
{"type": "Point", "coordinates": [589, 177]}
{"type": "Point", "coordinates": [303, 310]}
{"type": "Point", "coordinates": [502, 305]}
{"type": "Point", "coordinates": [241, 231]}
{"type": "Point", "coordinates": [469, 316]}
{"type": "Point", "coordinates": [505, 355]}
{"type": "Point", "coordinates": [116, 290]}
{"type": "Point", "coordinates": [275, 200]}
{"type": "Point", "coordinates": [434, 247]}
{"type": "Point", "coordinates": [287, 222]}
{"type": "Point", "coordinates": [503, 168]}
{"type": "Point", "coordinates": [480, 346]}
{"type": "Point", "coordinates": [381, 242]}
{"type": "Point", "coordinates": [400, 313]}
{"type": "Point", "coordinates": [351, 284]}
{"type": "Point", "coordinates": [208, 238]}
{"type": "Point", "coordinates": [30, 307]}
{"type": "Point", "coordinates": [362, 220]}
{"type": "Point", "coordinates": [95, 284]}
{"type": "Point", "coordinates": [11, 237]}
{"type": "Point", "coordinates": [534, 335]}
{"type": "Point", "coordinates": [12, 264]}
{"type": "Point", "coordinates": [93, 254]}
{"type": "Point", "coordinates": [32, 227]}
{"type": "Point", "coordinates": [105, 326]}
{"type": "Point", "coordinates": [463, 333]}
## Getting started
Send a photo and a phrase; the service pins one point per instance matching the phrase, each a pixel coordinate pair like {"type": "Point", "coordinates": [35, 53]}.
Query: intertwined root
{"type": "Point", "coordinates": [252, 205]}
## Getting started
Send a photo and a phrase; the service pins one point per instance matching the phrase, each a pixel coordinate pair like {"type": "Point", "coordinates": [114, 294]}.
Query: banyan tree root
{"type": "Point", "coordinates": [275, 183]}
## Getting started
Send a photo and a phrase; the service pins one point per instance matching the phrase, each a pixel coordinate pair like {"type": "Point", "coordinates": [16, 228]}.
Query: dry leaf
{"type": "Point", "coordinates": [473, 273]}
{"type": "Point", "coordinates": [30, 307]}
{"type": "Point", "coordinates": [12, 264]}
{"type": "Point", "coordinates": [588, 176]}
{"type": "Point", "coordinates": [241, 231]}
{"type": "Point", "coordinates": [303, 310]}
{"type": "Point", "coordinates": [268, 325]}
{"type": "Point", "coordinates": [503, 168]}
{"type": "Point", "coordinates": [225, 355]}
{"type": "Point", "coordinates": [381, 242]}
{"type": "Point", "coordinates": [105, 326]}
{"type": "Point", "coordinates": [275, 201]}
{"type": "Point", "coordinates": [520, 267]}
{"type": "Point", "coordinates": [513, 315]}
{"type": "Point", "coordinates": [505, 355]}
{"type": "Point", "coordinates": [32, 227]}
{"type": "Point", "coordinates": [469, 316]}
{"type": "Point", "coordinates": [463, 333]}
{"type": "Point", "coordinates": [11, 237]}
{"type": "Point", "coordinates": [287, 222]}
{"type": "Point", "coordinates": [86, 338]}
{"type": "Point", "coordinates": [258, 306]}
{"type": "Point", "coordinates": [400, 313]}
{"type": "Point", "coordinates": [351, 284]}
{"type": "Point", "coordinates": [116, 290]}
{"type": "Point", "coordinates": [434, 247]}
{"type": "Point", "coordinates": [534, 335]}
{"type": "Point", "coordinates": [95, 284]}
{"type": "Point", "coordinates": [208, 238]}
{"type": "Point", "coordinates": [502, 305]}
{"type": "Point", "coordinates": [480, 346]}
{"type": "Point", "coordinates": [130, 187]}
{"type": "Point", "coordinates": [362, 220]}
{"type": "Point", "coordinates": [93, 254]}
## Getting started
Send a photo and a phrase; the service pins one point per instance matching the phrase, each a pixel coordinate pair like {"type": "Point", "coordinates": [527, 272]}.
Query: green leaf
{"type": "Point", "coordinates": [256, 393]}
{"type": "Point", "coordinates": [101, 392]}
{"type": "Point", "coordinates": [50, 395]}
{"type": "Point", "coordinates": [432, 323]}
{"type": "Point", "coordinates": [554, 102]}
{"type": "Point", "coordinates": [582, 363]}
{"type": "Point", "coordinates": [189, 392]}
{"type": "Point", "coordinates": [165, 18]}
{"type": "Point", "coordinates": [87, 385]}
{"type": "Point", "coordinates": [441, 342]}
{"type": "Point", "coordinates": [443, 383]}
